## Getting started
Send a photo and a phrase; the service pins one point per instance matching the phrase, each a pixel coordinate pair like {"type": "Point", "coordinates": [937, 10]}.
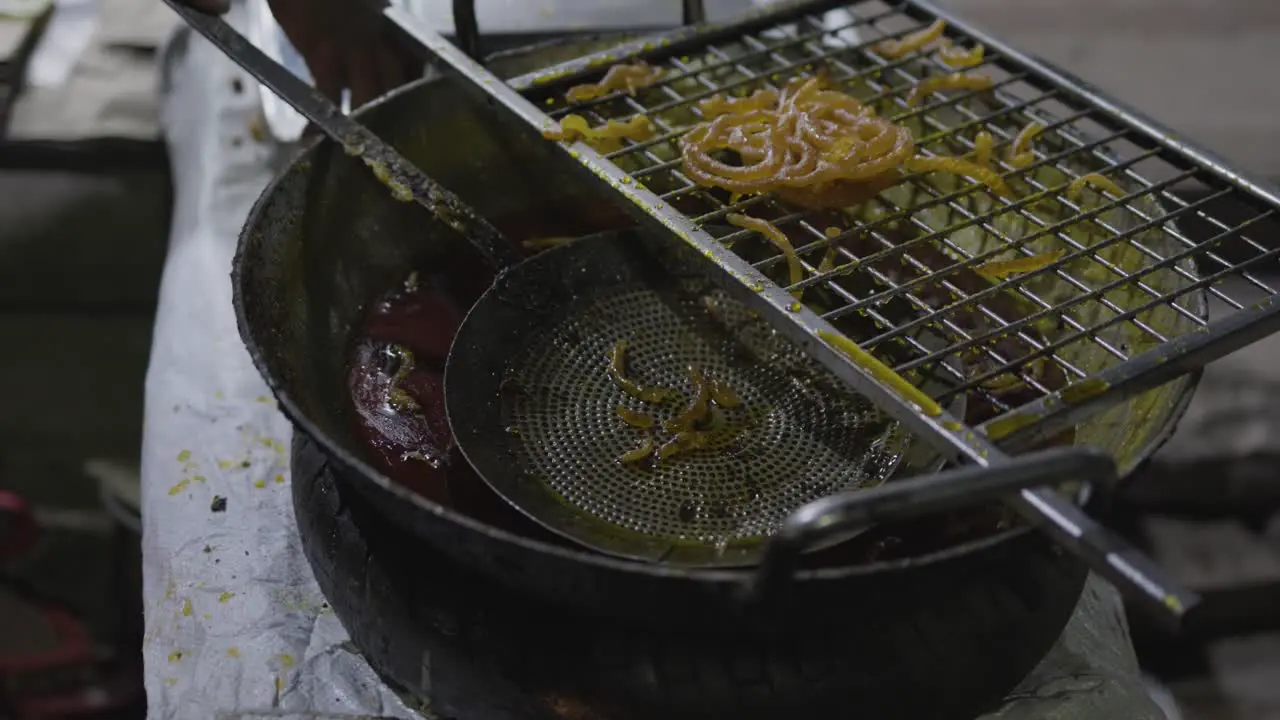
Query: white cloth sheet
{"type": "Point", "coordinates": [234, 620]}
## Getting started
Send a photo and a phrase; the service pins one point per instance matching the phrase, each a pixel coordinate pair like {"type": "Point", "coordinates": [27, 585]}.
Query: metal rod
{"type": "Point", "coordinates": [694, 12]}
{"type": "Point", "coordinates": [836, 517]}
{"type": "Point", "coordinates": [1042, 419]}
{"type": "Point", "coordinates": [1063, 520]}
{"type": "Point", "coordinates": [393, 169]}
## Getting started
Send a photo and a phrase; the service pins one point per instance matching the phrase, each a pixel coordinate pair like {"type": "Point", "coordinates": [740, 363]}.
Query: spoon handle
{"type": "Point", "coordinates": [403, 178]}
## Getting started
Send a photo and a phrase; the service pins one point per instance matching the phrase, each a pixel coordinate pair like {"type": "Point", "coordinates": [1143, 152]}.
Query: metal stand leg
{"type": "Point", "coordinates": [695, 12]}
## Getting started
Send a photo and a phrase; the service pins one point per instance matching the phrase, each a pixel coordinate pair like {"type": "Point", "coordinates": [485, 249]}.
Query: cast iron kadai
{"type": "Point", "coordinates": [1105, 552]}
{"type": "Point", "coordinates": [325, 240]}
{"type": "Point", "coordinates": [1069, 525]}
{"type": "Point", "coordinates": [527, 288]}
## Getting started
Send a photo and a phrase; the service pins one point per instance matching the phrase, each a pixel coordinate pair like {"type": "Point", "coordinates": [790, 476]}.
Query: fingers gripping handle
{"type": "Point", "coordinates": [848, 512]}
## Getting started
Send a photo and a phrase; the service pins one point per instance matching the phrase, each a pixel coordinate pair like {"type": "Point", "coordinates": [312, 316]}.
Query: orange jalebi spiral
{"type": "Point", "coordinates": [814, 145]}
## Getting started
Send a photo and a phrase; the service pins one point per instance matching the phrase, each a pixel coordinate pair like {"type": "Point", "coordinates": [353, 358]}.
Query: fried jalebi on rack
{"type": "Point", "coordinates": [606, 138]}
{"type": "Point", "coordinates": [982, 146]}
{"type": "Point", "coordinates": [1020, 154]}
{"type": "Point", "coordinates": [894, 49]}
{"type": "Point", "coordinates": [630, 77]}
{"type": "Point", "coordinates": [779, 239]}
{"type": "Point", "coordinates": [718, 105]}
{"type": "Point", "coordinates": [815, 146]}
{"type": "Point", "coordinates": [958, 58]}
{"type": "Point", "coordinates": [957, 166]}
{"type": "Point", "coordinates": [839, 194]}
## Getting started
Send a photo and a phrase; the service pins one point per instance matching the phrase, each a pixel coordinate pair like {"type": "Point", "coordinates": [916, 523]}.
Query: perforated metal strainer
{"type": "Point", "coordinates": [536, 408]}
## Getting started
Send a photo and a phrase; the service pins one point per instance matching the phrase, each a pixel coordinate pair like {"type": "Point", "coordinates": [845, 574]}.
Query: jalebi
{"type": "Point", "coordinates": [954, 81]}
{"type": "Point", "coordinates": [814, 145]}
{"type": "Point", "coordinates": [629, 77]}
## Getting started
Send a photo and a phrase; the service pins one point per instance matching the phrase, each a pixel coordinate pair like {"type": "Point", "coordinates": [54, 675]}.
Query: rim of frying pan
{"type": "Point", "coordinates": [441, 513]}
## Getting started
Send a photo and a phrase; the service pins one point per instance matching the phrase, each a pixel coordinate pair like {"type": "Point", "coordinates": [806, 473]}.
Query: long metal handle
{"type": "Point", "coordinates": [840, 516]}
{"type": "Point", "coordinates": [392, 168]}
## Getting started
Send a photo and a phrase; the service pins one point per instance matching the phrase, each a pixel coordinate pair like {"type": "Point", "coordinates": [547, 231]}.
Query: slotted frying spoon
{"type": "Point", "coordinates": [801, 440]}
{"type": "Point", "coordinates": [534, 408]}
{"type": "Point", "coordinates": [541, 419]}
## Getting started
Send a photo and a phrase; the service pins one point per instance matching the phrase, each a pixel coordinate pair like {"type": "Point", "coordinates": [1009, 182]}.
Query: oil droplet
{"type": "Point", "coordinates": [184, 456]}
{"type": "Point", "coordinates": [953, 426]}
{"type": "Point", "coordinates": [795, 307]}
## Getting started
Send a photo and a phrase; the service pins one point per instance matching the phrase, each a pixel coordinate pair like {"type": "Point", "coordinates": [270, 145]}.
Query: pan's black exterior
{"type": "Point", "coordinates": [476, 650]}
{"type": "Point", "coordinates": [326, 239]}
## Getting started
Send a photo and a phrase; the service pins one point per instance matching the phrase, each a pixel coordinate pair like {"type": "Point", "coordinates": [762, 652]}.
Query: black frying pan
{"type": "Point", "coordinates": [326, 240]}
{"type": "Point", "coordinates": [814, 449]}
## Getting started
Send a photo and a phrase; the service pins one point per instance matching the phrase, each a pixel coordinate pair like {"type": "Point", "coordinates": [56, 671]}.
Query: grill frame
{"type": "Point", "coordinates": [1033, 421]}
{"type": "Point", "coordinates": [1050, 511]}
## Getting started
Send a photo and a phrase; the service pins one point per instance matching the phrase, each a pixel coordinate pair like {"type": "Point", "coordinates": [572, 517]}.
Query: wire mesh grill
{"type": "Point", "coordinates": [1103, 277]}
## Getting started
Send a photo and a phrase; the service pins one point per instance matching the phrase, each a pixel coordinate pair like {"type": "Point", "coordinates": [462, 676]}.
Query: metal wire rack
{"type": "Point", "coordinates": [1110, 300]}
{"type": "Point", "coordinates": [1126, 278]}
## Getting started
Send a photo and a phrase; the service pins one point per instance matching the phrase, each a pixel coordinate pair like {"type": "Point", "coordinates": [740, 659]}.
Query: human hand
{"type": "Point", "coordinates": [345, 46]}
